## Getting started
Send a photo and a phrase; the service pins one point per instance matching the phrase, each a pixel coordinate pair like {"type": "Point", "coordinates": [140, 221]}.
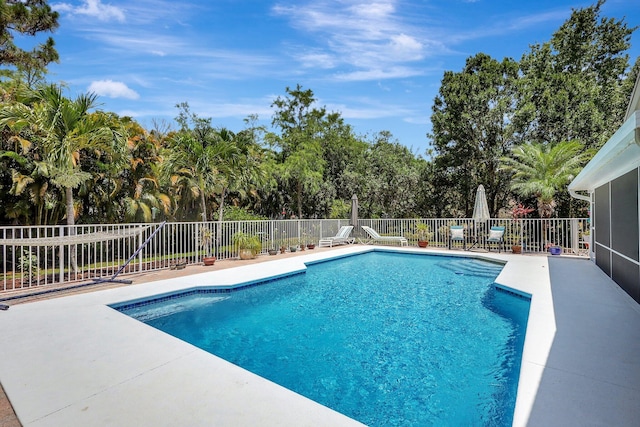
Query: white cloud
{"type": "Point", "coordinates": [377, 74]}
{"type": "Point", "coordinates": [317, 60]}
{"type": "Point", "coordinates": [406, 48]}
{"type": "Point", "coordinates": [112, 89]}
{"type": "Point", "coordinates": [369, 37]}
{"type": "Point", "coordinates": [373, 10]}
{"type": "Point", "coordinates": [364, 109]}
{"type": "Point", "coordinates": [93, 8]}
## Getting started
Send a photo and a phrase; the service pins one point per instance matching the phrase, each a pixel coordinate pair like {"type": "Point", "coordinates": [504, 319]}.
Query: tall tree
{"type": "Point", "coordinates": [66, 131]}
{"type": "Point", "coordinates": [299, 143]}
{"type": "Point", "coordinates": [472, 129]}
{"type": "Point", "coordinates": [573, 87]}
{"type": "Point", "coordinates": [144, 199]}
{"type": "Point", "coordinates": [197, 160]}
{"type": "Point", "coordinates": [26, 17]}
{"type": "Point", "coordinates": [387, 184]}
{"type": "Point", "coordinates": [245, 174]}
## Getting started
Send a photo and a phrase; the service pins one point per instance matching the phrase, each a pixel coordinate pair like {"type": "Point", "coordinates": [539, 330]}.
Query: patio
{"type": "Point", "coordinates": [73, 361]}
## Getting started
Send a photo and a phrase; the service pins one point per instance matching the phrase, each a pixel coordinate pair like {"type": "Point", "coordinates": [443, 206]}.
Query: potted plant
{"type": "Point", "coordinates": [423, 232]}
{"type": "Point", "coordinates": [206, 239]}
{"type": "Point", "coordinates": [555, 250]}
{"type": "Point", "coordinates": [309, 237]}
{"type": "Point", "coordinates": [517, 213]}
{"type": "Point", "coordinates": [273, 246]}
{"type": "Point", "coordinates": [586, 238]}
{"type": "Point", "coordinates": [283, 242]}
{"type": "Point", "coordinates": [247, 245]}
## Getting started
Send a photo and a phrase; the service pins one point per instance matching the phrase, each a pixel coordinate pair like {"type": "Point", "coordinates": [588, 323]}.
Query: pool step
{"type": "Point", "coordinates": [472, 267]}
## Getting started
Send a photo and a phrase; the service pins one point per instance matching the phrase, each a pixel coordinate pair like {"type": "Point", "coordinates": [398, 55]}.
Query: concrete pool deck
{"type": "Point", "coordinates": [75, 361]}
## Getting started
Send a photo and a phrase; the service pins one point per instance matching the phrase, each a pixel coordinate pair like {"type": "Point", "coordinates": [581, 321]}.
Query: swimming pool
{"type": "Point", "coordinates": [385, 338]}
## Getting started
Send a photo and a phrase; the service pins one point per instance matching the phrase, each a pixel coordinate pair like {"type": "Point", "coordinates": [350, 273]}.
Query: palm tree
{"type": "Point", "coordinates": [197, 160]}
{"type": "Point", "coordinates": [541, 170]}
{"type": "Point", "coordinates": [64, 128]}
{"type": "Point", "coordinates": [144, 197]}
{"type": "Point", "coordinates": [244, 170]}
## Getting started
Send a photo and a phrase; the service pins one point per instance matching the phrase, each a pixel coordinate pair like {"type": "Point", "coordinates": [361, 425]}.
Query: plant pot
{"type": "Point", "coordinates": [209, 260]}
{"type": "Point", "coordinates": [423, 243]}
{"type": "Point", "coordinates": [311, 246]}
{"type": "Point", "coordinates": [273, 252]}
{"type": "Point", "coordinates": [516, 249]}
{"type": "Point", "coordinates": [283, 249]}
{"type": "Point", "coordinates": [179, 265]}
{"type": "Point", "coordinates": [302, 247]}
{"type": "Point", "coordinates": [555, 250]}
{"type": "Point", "coordinates": [246, 254]}
{"type": "Point", "coordinates": [293, 249]}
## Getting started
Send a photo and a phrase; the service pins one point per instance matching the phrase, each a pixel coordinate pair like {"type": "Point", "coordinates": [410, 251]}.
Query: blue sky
{"type": "Point", "coordinates": [377, 63]}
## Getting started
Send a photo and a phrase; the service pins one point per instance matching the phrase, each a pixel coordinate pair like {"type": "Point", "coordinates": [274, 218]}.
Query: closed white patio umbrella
{"type": "Point", "coordinates": [480, 211]}
{"type": "Point", "coordinates": [481, 208]}
{"type": "Point", "coordinates": [354, 211]}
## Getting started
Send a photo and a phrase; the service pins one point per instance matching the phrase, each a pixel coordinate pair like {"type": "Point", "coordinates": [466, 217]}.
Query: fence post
{"type": "Point", "coordinates": [140, 254]}
{"type": "Point", "coordinates": [574, 235]}
{"type": "Point", "coordinates": [61, 257]}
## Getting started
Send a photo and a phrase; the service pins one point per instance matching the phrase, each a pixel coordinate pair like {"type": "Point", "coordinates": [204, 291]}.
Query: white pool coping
{"type": "Point", "coordinates": [75, 361]}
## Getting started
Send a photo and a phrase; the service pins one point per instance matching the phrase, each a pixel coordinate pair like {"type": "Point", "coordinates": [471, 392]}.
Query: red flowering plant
{"type": "Point", "coordinates": [518, 212]}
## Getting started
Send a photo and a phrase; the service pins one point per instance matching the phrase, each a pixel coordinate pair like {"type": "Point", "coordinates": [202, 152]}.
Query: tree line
{"type": "Point", "coordinates": [522, 129]}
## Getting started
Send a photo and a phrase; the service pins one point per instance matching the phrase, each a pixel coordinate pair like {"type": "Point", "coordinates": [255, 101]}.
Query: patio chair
{"type": "Point", "coordinates": [374, 237]}
{"type": "Point", "coordinates": [496, 236]}
{"type": "Point", "coordinates": [456, 234]}
{"type": "Point", "coordinates": [341, 237]}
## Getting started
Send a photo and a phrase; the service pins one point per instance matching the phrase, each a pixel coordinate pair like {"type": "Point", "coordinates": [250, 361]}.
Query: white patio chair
{"type": "Point", "coordinates": [341, 237]}
{"type": "Point", "coordinates": [374, 237]}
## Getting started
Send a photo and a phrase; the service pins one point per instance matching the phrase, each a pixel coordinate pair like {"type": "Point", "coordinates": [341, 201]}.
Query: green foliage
{"type": "Point", "coordinates": [573, 87]}
{"type": "Point", "coordinates": [139, 185]}
{"type": "Point", "coordinates": [541, 170]}
{"type": "Point", "coordinates": [28, 263]}
{"type": "Point", "coordinates": [64, 134]}
{"type": "Point", "coordinates": [471, 119]}
{"type": "Point", "coordinates": [386, 185]}
{"type": "Point", "coordinates": [26, 17]}
{"type": "Point", "coordinates": [423, 231]}
{"type": "Point", "coordinates": [234, 213]}
{"type": "Point", "coordinates": [58, 158]}
{"type": "Point", "coordinates": [300, 159]}
{"type": "Point", "coordinates": [198, 161]}
{"type": "Point", "coordinates": [244, 241]}
{"type": "Point", "coordinates": [340, 209]}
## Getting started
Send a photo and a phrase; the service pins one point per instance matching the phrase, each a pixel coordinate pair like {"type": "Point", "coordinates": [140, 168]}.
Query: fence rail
{"type": "Point", "coordinates": [44, 255]}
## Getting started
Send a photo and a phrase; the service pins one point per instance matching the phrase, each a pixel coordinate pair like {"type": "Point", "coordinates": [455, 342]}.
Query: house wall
{"type": "Point", "coordinates": [616, 218]}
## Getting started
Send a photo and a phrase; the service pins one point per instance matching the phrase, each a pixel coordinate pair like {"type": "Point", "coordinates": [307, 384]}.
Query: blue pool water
{"type": "Point", "coordinates": [386, 338]}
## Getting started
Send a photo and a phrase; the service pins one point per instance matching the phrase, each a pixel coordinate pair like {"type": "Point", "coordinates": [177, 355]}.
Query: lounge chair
{"type": "Point", "coordinates": [456, 234]}
{"type": "Point", "coordinates": [374, 237]}
{"type": "Point", "coordinates": [341, 237]}
{"type": "Point", "coordinates": [496, 236]}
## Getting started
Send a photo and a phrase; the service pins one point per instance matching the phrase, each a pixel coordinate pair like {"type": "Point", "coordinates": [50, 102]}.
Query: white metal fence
{"type": "Point", "coordinates": [44, 255]}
